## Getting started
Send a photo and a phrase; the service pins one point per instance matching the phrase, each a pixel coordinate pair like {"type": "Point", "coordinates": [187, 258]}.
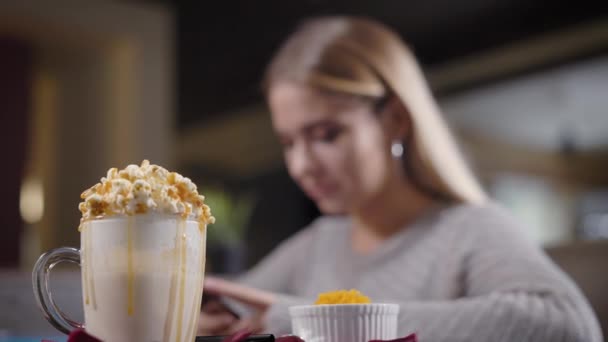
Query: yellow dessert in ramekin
{"type": "Point", "coordinates": [344, 316]}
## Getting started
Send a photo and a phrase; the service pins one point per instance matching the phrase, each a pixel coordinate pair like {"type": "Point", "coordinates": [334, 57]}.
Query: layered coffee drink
{"type": "Point", "coordinates": [143, 238]}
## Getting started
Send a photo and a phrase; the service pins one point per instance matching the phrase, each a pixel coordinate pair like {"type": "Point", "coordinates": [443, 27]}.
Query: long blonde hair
{"type": "Point", "coordinates": [360, 57]}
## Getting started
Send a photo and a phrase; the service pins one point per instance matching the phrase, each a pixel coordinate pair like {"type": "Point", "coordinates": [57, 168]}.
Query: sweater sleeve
{"type": "Point", "coordinates": [512, 292]}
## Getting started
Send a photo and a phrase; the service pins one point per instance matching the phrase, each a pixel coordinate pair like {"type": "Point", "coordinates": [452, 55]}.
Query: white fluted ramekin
{"type": "Point", "coordinates": [345, 322]}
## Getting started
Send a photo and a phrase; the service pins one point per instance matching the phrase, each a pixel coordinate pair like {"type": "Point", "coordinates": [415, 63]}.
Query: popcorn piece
{"type": "Point", "coordinates": [141, 189]}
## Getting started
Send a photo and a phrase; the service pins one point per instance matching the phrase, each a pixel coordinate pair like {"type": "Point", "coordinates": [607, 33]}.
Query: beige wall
{"type": "Point", "coordinates": [102, 97]}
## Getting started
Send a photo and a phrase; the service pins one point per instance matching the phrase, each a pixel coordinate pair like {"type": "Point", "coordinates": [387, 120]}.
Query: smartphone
{"type": "Point", "coordinates": [232, 307]}
{"type": "Point", "coordinates": [250, 338]}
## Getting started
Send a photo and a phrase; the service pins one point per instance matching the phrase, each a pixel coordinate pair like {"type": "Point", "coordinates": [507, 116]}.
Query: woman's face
{"type": "Point", "coordinates": [336, 147]}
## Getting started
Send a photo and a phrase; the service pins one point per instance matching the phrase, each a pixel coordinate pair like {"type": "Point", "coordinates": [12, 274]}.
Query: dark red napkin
{"type": "Point", "coordinates": [241, 336]}
{"type": "Point", "coordinates": [408, 338]}
{"type": "Point", "coordinates": [81, 336]}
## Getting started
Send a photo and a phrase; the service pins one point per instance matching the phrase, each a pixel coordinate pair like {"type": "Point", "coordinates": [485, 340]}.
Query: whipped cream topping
{"type": "Point", "coordinates": [142, 189]}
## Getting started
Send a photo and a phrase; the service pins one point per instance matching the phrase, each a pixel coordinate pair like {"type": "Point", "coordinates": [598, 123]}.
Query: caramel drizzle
{"type": "Point", "coordinates": [130, 271]}
{"type": "Point", "coordinates": [182, 280]}
{"type": "Point", "coordinates": [171, 307]}
{"type": "Point", "coordinates": [196, 305]}
{"type": "Point", "coordinates": [89, 274]}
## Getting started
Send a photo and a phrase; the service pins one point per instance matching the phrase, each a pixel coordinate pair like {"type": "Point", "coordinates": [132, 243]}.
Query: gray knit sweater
{"type": "Point", "coordinates": [460, 273]}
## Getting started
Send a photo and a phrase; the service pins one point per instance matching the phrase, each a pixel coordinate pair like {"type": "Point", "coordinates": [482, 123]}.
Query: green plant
{"type": "Point", "coordinates": [231, 212]}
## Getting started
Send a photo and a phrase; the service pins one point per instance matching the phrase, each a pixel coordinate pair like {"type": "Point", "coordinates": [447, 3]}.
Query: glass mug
{"type": "Point", "coordinates": [142, 278]}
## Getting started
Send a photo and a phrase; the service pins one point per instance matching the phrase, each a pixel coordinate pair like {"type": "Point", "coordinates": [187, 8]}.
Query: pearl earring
{"type": "Point", "coordinates": [397, 149]}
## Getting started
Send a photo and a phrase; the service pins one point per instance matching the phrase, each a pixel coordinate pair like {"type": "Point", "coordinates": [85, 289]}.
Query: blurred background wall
{"type": "Point", "coordinates": [85, 86]}
{"type": "Point", "coordinates": [98, 80]}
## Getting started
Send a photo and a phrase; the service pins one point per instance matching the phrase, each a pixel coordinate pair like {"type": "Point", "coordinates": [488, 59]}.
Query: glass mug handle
{"type": "Point", "coordinates": [42, 291]}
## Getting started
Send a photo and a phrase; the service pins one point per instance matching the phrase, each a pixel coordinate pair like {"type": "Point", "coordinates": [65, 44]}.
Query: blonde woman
{"type": "Point", "coordinates": [405, 220]}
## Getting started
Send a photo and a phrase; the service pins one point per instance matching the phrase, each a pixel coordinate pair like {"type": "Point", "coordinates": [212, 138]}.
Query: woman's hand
{"type": "Point", "coordinates": [216, 319]}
